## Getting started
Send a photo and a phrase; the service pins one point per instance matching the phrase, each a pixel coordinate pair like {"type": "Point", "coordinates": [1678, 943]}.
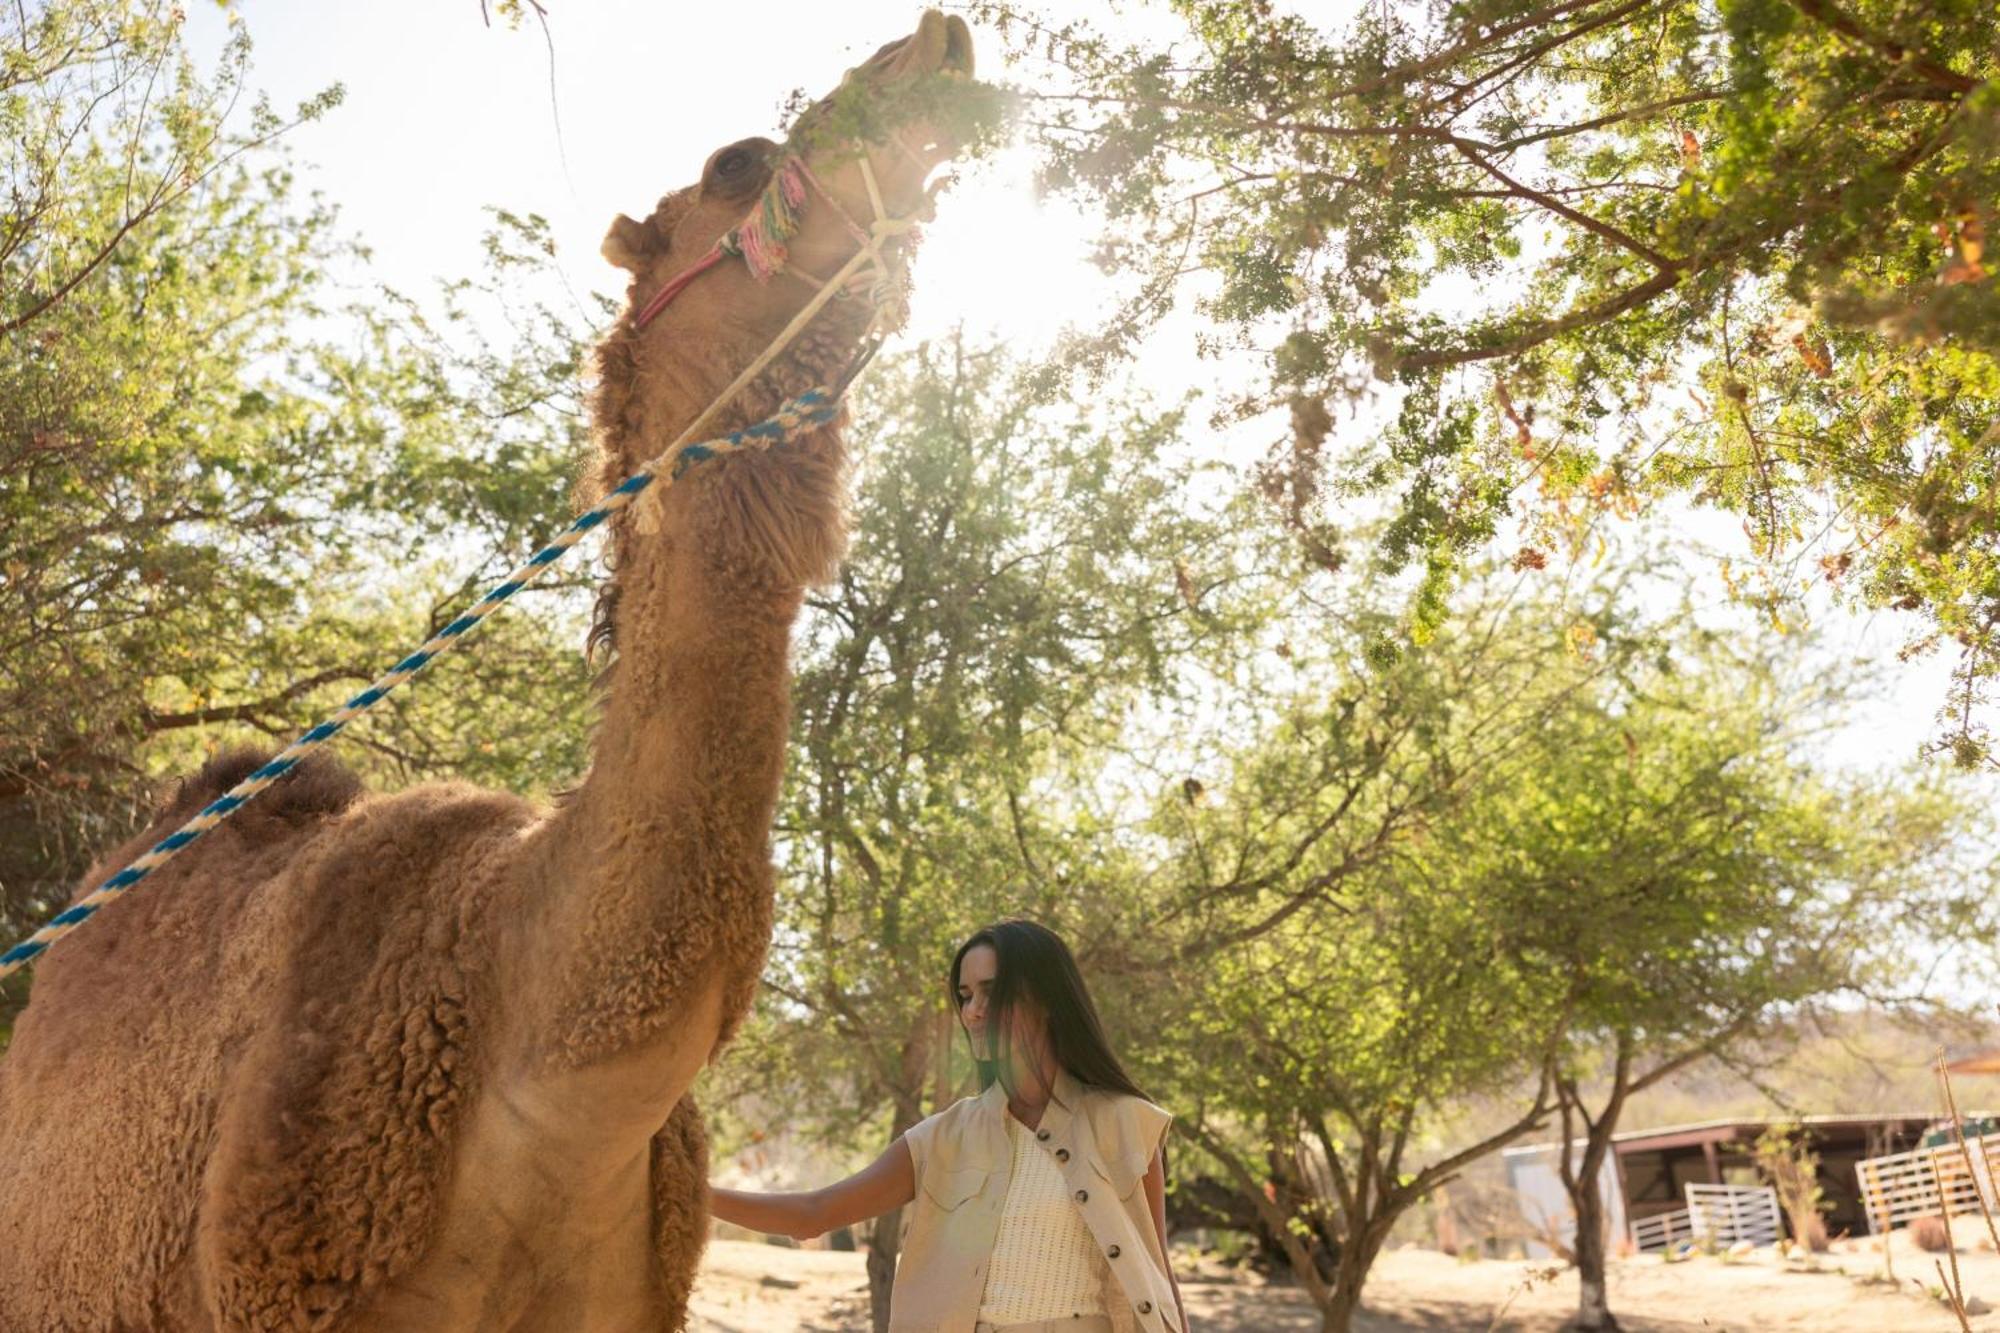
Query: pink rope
{"type": "Point", "coordinates": [760, 238]}
{"type": "Point", "coordinates": [676, 285]}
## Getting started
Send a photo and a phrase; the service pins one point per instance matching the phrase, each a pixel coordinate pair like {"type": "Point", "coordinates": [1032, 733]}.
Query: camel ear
{"type": "Point", "coordinates": [629, 244]}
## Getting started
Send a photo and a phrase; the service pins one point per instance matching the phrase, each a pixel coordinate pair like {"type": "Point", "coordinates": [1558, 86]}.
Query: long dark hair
{"type": "Point", "coordinates": [1036, 966]}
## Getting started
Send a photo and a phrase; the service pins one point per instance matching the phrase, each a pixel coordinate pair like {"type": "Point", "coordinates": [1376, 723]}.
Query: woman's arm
{"type": "Point", "coordinates": [888, 1182]}
{"type": "Point", "coordinates": [1156, 1196]}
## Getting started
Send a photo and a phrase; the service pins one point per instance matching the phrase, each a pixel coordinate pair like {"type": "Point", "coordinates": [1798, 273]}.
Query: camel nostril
{"type": "Point", "coordinates": [957, 46]}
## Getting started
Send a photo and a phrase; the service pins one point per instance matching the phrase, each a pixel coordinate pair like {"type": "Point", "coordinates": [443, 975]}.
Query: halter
{"type": "Point", "coordinates": [760, 239]}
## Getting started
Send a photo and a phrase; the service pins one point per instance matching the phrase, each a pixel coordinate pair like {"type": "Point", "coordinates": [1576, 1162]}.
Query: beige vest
{"type": "Point", "coordinates": [1101, 1142]}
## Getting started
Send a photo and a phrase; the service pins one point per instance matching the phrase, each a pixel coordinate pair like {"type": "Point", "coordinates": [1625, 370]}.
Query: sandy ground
{"type": "Point", "coordinates": [751, 1288]}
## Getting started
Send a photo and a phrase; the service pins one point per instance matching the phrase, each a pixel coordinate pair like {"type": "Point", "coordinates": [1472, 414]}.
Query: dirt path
{"type": "Point", "coordinates": [749, 1288]}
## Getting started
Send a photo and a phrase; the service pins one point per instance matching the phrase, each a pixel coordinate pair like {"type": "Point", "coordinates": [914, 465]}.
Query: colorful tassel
{"type": "Point", "coordinates": [761, 238]}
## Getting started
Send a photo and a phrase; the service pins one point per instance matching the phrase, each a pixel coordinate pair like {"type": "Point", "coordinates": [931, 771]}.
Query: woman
{"type": "Point", "coordinates": [1041, 1203]}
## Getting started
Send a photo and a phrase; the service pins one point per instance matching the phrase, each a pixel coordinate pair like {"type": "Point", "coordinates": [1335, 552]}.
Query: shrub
{"type": "Point", "coordinates": [1788, 1162]}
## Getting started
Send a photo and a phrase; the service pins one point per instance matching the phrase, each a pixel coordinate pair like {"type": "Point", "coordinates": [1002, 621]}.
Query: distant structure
{"type": "Point", "coordinates": [1647, 1180]}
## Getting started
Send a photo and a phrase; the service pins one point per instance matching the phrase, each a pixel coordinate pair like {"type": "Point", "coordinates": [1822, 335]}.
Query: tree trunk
{"type": "Point", "coordinates": [1356, 1257]}
{"type": "Point", "coordinates": [1586, 1199]}
{"type": "Point", "coordinates": [1338, 1316]}
{"type": "Point", "coordinates": [884, 1238]}
{"type": "Point", "coordinates": [1593, 1306]}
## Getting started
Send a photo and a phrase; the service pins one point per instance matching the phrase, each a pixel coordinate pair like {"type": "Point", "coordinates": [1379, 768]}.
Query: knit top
{"type": "Point", "coordinates": [1044, 1264]}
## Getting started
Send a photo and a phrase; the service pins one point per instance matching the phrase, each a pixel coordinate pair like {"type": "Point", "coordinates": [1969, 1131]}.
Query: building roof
{"type": "Point", "coordinates": [1719, 1131]}
{"type": "Point", "coordinates": [1986, 1062]}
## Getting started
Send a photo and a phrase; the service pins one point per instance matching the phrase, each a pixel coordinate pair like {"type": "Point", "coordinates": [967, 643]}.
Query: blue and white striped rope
{"type": "Point", "coordinates": [813, 408]}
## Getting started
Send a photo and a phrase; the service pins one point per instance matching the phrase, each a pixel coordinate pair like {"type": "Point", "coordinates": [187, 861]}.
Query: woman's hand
{"type": "Point", "coordinates": [890, 1181]}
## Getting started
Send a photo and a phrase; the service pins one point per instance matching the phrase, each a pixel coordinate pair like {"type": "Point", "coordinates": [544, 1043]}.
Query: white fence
{"type": "Point", "coordinates": [1661, 1230]}
{"type": "Point", "coordinates": [1726, 1214]}
{"type": "Point", "coordinates": [1716, 1215]}
{"type": "Point", "coordinates": [1926, 1181]}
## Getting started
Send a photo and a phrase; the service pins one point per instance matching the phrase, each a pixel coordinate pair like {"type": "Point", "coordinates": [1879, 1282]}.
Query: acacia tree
{"type": "Point", "coordinates": [1572, 835]}
{"type": "Point", "coordinates": [1603, 251]}
{"type": "Point", "coordinates": [1319, 1058]}
{"type": "Point", "coordinates": [1008, 597]}
{"type": "Point", "coordinates": [1320, 988]}
{"type": "Point", "coordinates": [1683, 879]}
{"type": "Point", "coordinates": [225, 501]}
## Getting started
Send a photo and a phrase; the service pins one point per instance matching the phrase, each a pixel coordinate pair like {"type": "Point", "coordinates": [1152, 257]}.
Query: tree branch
{"type": "Point", "coordinates": [1556, 206]}
{"type": "Point", "coordinates": [1819, 11]}
{"type": "Point", "coordinates": [1634, 113]}
{"type": "Point", "coordinates": [151, 722]}
{"type": "Point", "coordinates": [1444, 358]}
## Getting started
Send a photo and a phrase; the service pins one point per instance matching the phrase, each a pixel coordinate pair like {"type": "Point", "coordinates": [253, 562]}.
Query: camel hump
{"type": "Point", "coordinates": [320, 786]}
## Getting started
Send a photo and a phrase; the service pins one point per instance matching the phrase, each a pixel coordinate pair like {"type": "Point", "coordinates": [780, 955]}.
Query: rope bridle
{"type": "Point", "coordinates": [761, 245]}
{"type": "Point", "coordinates": [761, 240]}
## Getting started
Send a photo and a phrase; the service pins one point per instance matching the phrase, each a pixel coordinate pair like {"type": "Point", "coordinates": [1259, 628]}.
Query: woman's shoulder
{"type": "Point", "coordinates": [1124, 1117]}
{"type": "Point", "coordinates": [945, 1123]}
{"type": "Point", "coordinates": [947, 1134]}
{"type": "Point", "coordinates": [958, 1112]}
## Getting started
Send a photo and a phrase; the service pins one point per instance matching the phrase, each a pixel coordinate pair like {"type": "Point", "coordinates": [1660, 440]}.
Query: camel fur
{"type": "Point", "coordinates": [420, 1061]}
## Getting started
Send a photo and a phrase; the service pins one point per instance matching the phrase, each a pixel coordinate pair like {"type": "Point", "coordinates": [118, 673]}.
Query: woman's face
{"type": "Point", "coordinates": [976, 972]}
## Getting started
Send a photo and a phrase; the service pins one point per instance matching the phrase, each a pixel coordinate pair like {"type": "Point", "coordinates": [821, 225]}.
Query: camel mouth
{"type": "Point", "coordinates": [941, 47]}
{"type": "Point", "coordinates": [916, 90]}
{"type": "Point", "coordinates": [942, 44]}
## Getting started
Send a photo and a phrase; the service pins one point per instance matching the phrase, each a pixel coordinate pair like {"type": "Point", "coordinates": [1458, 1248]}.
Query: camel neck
{"type": "Point", "coordinates": [664, 852]}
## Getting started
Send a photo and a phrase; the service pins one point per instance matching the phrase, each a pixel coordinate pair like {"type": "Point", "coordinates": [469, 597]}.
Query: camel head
{"type": "Point", "coordinates": [708, 278]}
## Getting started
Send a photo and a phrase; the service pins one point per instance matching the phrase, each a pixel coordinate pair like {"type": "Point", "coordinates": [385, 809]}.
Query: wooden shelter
{"type": "Point", "coordinates": [1650, 1169]}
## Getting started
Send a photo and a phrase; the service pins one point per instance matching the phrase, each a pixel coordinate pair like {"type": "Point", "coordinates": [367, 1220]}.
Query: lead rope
{"type": "Point", "coordinates": [808, 411]}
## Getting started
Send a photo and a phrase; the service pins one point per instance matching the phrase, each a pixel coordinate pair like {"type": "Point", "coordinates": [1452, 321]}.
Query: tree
{"type": "Point", "coordinates": [1319, 1060]}
{"type": "Point", "coordinates": [1684, 880]}
{"type": "Point", "coordinates": [1321, 987]}
{"type": "Point", "coordinates": [223, 502]}
{"type": "Point", "coordinates": [1008, 598]}
{"type": "Point", "coordinates": [1605, 251]}
{"type": "Point", "coordinates": [1561, 842]}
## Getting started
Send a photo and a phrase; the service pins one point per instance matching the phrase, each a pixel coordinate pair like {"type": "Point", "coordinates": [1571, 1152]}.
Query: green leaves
{"type": "Point", "coordinates": [1427, 879]}
{"type": "Point", "coordinates": [1601, 206]}
{"type": "Point", "coordinates": [1009, 601]}
{"type": "Point", "coordinates": [224, 505]}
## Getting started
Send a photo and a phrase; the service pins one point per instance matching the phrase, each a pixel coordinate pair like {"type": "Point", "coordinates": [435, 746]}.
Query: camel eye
{"type": "Point", "coordinates": [739, 170]}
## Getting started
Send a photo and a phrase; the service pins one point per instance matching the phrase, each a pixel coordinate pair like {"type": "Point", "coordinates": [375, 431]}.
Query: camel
{"type": "Point", "coordinates": [420, 1061]}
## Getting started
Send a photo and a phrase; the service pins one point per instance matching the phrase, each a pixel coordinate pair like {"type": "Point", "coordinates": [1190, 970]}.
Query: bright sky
{"type": "Point", "coordinates": [445, 117]}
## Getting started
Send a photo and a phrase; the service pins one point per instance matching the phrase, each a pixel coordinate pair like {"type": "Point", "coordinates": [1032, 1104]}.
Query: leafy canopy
{"type": "Point", "coordinates": [1602, 252]}
{"type": "Point", "coordinates": [229, 494]}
